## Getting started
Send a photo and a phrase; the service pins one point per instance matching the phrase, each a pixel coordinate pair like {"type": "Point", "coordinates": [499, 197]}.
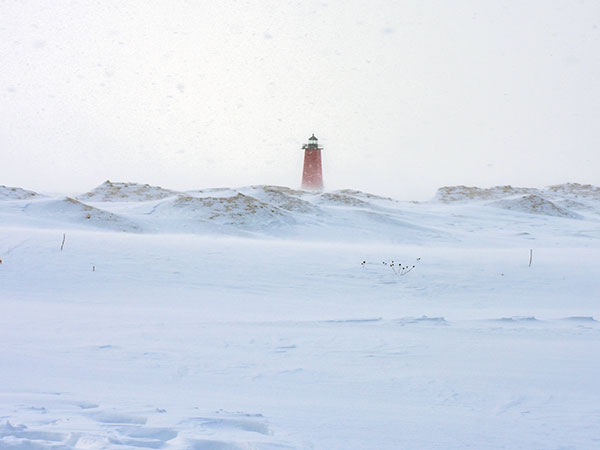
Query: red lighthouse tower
{"type": "Point", "coordinates": [312, 174]}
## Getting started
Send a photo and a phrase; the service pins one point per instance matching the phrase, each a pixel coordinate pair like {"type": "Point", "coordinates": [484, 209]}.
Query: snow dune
{"type": "Point", "coordinates": [274, 211]}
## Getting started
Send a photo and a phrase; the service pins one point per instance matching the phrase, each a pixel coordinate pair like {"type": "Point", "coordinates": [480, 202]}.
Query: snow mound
{"type": "Point", "coordinates": [463, 193]}
{"type": "Point", "coordinates": [576, 190]}
{"type": "Point", "coordinates": [569, 203]}
{"type": "Point", "coordinates": [342, 199]}
{"type": "Point", "coordinates": [72, 211]}
{"type": "Point", "coordinates": [212, 192]}
{"type": "Point", "coordinates": [230, 208]}
{"type": "Point", "coordinates": [364, 195]}
{"type": "Point", "coordinates": [15, 193]}
{"type": "Point", "coordinates": [535, 204]}
{"type": "Point", "coordinates": [126, 192]}
{"type": "Point", "coordinates": [356, 199]}
{"type": "Point", "coordinates": [238, 213]}
{"type": "Point", "coordinates": [283, 198]}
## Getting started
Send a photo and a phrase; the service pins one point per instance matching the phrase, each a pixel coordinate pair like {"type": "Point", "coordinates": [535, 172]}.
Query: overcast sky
{"type": "Point", "coordinates": [405, 96]}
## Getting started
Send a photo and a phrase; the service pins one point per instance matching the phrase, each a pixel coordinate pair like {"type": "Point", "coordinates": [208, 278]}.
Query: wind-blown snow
{"type": "Point", "coordinates": [263, 317]}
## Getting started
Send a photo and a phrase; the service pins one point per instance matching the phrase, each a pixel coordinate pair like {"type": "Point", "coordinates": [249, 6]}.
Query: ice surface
{"type": "Point", "coordinates": [264, 318]}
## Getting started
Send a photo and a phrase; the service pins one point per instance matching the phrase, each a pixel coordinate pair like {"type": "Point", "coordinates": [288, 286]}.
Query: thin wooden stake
{"type": "Point", "coordinates": [530, 256]}
{"type": "Point", "coordinates": [63, 242]}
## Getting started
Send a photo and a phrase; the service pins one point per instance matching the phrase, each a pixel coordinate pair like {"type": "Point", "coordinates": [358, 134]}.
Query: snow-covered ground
{"type": "Point", "coordinates": [246, 319]}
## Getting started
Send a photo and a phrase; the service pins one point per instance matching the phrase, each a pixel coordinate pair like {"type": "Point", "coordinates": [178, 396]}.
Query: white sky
{"type": "Point", "coordinates": [406, 96]}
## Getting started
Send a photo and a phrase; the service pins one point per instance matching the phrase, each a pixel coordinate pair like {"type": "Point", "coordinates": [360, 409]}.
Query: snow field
{"type": "Point", "coordinates": [186, 341]}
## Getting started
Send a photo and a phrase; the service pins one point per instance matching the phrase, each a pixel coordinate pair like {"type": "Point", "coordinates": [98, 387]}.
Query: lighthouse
{"type": "Point", "coordinates": [312, 173]}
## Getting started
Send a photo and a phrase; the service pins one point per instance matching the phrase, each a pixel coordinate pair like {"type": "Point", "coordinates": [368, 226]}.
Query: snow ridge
{"type": "Point", "coordinates": [282, 212]}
